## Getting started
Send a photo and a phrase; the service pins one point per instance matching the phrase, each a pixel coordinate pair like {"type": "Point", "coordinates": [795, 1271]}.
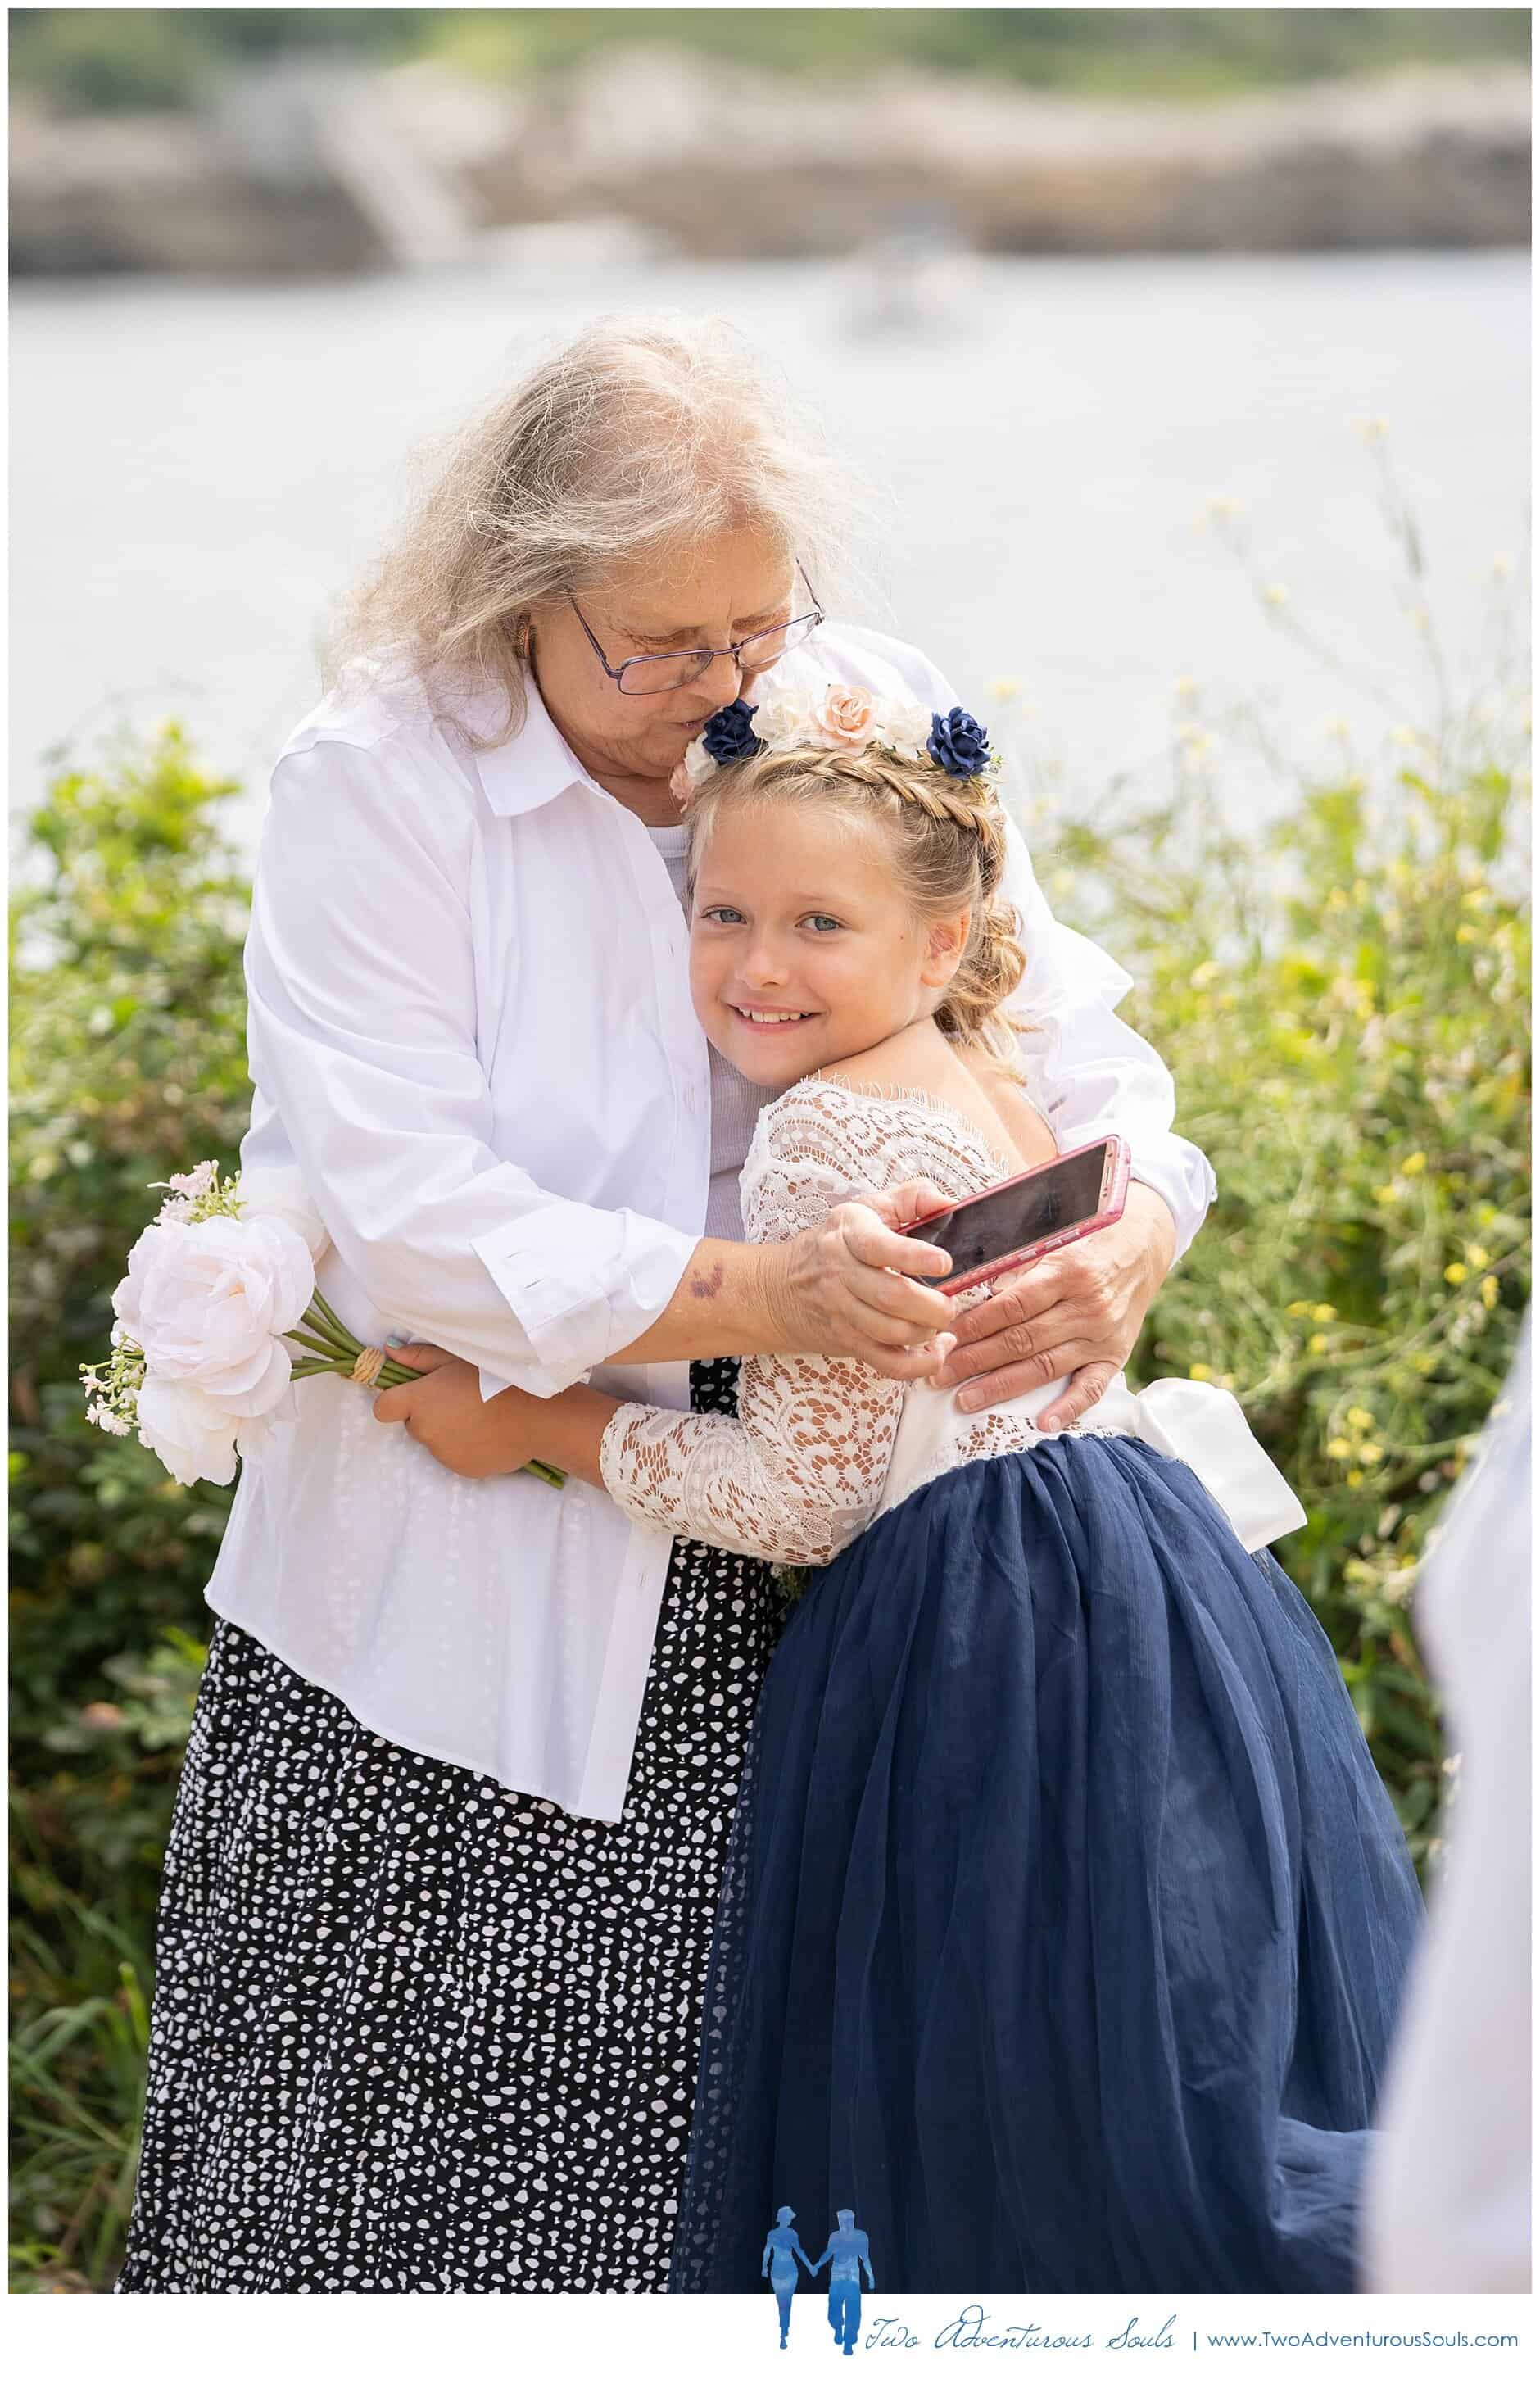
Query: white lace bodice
{"type": "Point", "coordinates": [804, 1466]}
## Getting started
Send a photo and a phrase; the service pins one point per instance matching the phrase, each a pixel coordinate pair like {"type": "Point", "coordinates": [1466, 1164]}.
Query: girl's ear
{"type": "Point", "coordinates": [945, 942]}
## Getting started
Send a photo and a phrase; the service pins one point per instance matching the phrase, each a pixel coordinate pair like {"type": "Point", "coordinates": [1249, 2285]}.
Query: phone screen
{"type": "Point", "coordinates": [997, 1222]}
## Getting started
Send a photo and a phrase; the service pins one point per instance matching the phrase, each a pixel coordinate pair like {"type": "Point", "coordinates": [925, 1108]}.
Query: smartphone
{"type": "Point", "coordinates": [1028, 1215]}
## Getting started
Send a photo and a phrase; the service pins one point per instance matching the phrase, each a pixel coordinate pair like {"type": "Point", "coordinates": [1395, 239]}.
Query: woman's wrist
{"type": "Point", "coordinates": [731, 1301]}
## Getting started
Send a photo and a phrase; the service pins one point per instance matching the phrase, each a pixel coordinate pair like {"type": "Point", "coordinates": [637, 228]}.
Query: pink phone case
{"type": "Point", "coordinates": [1115, 1191]}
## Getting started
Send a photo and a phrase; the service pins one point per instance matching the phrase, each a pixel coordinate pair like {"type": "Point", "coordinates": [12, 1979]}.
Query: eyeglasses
{"type": "Point", "coordinates": [655, 674]}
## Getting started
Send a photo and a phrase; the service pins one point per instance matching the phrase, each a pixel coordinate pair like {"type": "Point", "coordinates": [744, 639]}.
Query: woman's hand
{"type": "Point", "coordinates": [852, 1287]}
{"type": "Point", "coordinates": [446, 1412]}
{"type": "Point", "coordinates": [1078, 1313]}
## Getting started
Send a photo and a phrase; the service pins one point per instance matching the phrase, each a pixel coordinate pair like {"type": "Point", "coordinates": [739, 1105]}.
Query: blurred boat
{"type": "Point", "coordinates": [916, 274]}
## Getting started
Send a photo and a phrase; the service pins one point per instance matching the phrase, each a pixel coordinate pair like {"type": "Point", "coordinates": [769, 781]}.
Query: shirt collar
{"type": "Point", "coordinates": [533, 765]}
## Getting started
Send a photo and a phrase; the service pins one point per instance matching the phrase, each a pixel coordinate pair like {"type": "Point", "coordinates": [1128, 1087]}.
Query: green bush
{"type": "Point", "coordinates": [98, 59]}
{"type": "Point", "coordinates": [1351, 1048]}
{"type": "Point", "coordinates": [127, 1054]}
{"type": "Point", "coordinates": [1345, 1012]}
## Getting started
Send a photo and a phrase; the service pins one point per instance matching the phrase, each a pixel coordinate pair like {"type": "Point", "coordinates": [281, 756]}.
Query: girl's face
{"type": "Point", "coordinates": [797, 911]}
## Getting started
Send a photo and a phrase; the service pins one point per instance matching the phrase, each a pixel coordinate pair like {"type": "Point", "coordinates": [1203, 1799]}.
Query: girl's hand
{"type": "Point", "coordinates": [852, 1287]}
{"type": "Point", "coordinates": [446, 1412]}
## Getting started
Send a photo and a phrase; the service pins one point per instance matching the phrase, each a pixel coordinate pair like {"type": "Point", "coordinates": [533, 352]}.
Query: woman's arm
{"type": "Point", "coordinates": [446, 1411]}
{"type": "Point", "coordinates": [361, 976]}
{"type": "Point", "coordinates": [1091, 1073]}
{"type": "Point", "coordinates": [794, 1476]}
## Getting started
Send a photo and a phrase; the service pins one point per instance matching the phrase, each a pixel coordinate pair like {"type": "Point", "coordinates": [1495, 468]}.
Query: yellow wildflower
{"type": "Point", "coordinates": [1489, 1291]}
{"type": "Point", "coordinates": [1298, 1307]}
{"type": "Point", "coordinates": [1371, 1453]}
{"type": "Point", "coordinates": [1387, 1191]}
{"type": "Point", "coordinates": [1325, 1313]}
{"type": "Point", "coordinates": [1339, 1448]}
{"type": "Point", "coordinates": [1476, 1256]}
{"type": "Point", "coordinates": [1415, 1165]}
{"type": "Point", "coordinates": [1455, 1274]}
{"type": "Point", "coordinates": [1465, 934]}
{"type": "Point", "coordinates": [1354, 1477]}
{"type": "Point", "coordinates": [1200, 1373]}
{"type": "Point", "coordinates": [1318, 1343]}
{"type": "Point", "coordinates": [1359, 1418]}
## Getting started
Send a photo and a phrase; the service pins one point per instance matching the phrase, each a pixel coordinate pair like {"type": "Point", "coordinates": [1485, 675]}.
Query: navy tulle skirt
{"type": "Point", "coordinates": [1065, 1917]}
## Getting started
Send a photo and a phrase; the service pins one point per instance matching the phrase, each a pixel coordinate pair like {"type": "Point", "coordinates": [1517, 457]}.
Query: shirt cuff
{"type": "Point", "coordinates": [583, 1282]}
{"type": "Point", "coordinates": [1182, 1176]}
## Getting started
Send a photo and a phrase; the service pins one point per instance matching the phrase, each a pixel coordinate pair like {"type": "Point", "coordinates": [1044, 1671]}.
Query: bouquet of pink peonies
{"type": "Point", "coordinates": [215, 1289]}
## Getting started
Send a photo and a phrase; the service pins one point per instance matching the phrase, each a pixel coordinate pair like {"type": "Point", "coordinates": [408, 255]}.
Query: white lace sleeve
{"type": "Point", "coordinates": [796, 1474]}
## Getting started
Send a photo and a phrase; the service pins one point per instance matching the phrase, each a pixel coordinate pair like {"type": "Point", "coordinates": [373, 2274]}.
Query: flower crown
{"type": "Point", "coordinates": [841, 720]}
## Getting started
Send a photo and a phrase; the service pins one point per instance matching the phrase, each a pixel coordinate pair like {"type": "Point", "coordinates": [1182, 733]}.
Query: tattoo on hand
{"type": "Point", "coordinates": [707, 1286]}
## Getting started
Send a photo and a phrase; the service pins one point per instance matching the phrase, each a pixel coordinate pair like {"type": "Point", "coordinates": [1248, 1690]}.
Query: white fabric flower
{"type": "Point", "coordinates": [784, 719]}
{"type": "Point", "coordinates": [698, 763]}
{"type": "Point", "coordinates": [905, 728]}
{"type": "Point", "coordinates": [193, 1438]}
{"type": "Point", "coordinates": [207, 1304]}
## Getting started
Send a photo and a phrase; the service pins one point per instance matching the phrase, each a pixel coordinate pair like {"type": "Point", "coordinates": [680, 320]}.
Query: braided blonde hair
{"type": "Point", "coordinates": [947, 836]}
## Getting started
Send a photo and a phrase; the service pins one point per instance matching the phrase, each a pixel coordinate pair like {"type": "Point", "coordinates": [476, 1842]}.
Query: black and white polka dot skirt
{"type": "Point", "coordinates": [414, 2032]}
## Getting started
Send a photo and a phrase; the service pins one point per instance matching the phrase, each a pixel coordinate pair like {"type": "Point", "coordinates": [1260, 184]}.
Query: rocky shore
{"type": "Point", "coordinates": [308, 171]}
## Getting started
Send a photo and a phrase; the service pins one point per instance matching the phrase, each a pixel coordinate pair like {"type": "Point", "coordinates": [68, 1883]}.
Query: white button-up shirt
{"type": "Point", "coordinates": [470, 1028]}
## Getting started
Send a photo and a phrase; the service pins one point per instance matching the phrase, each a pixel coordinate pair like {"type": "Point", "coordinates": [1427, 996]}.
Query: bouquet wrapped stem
{"type": "Point", "coordinates": [335, 1350]}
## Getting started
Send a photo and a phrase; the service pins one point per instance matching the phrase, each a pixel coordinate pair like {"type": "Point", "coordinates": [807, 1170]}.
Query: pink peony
{"type": "Point", "coordinates": [208, 1305]}
{"type": "Point", "coordinates": [845, 719]}
{"type": "Point", "coordinates": [191, 1434]}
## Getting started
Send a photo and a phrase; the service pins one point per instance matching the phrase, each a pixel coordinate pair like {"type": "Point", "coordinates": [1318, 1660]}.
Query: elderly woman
{"type": "Point", "coordinates": [442, 1872]}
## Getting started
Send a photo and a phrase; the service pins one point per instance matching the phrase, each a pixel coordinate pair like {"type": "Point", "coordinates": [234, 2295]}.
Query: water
{"type": "Point", "coordinates": [197, 468]}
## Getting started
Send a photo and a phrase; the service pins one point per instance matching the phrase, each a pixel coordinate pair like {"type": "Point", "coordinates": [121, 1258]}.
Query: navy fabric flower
{"type": "Point", "coordinates": [957, 744]}
{"type": "Point", "coordinates": [728, 736]}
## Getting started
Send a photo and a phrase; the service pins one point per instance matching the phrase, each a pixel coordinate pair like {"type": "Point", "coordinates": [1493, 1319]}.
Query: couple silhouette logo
{"type": "Point", "coordinates": [847, 2251]}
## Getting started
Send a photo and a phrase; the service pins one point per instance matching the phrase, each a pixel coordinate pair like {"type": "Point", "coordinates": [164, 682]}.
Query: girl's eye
{"type": "Point", "coordinates": [725, 912]}
{"type": "Point", "coordinates": [821, 919]}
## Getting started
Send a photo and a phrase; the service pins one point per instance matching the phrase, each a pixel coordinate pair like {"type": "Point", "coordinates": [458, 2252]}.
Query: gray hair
{"type": "Point", "coordinates": [644, 435]}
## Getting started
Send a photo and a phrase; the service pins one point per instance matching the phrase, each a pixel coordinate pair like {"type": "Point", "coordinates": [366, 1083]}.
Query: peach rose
{"type": "Point", "coordinates": [845, 719]}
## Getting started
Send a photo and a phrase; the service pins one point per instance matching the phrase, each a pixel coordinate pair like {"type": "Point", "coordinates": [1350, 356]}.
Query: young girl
{"type": "Point", "coordinates": [1065, 1916]}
